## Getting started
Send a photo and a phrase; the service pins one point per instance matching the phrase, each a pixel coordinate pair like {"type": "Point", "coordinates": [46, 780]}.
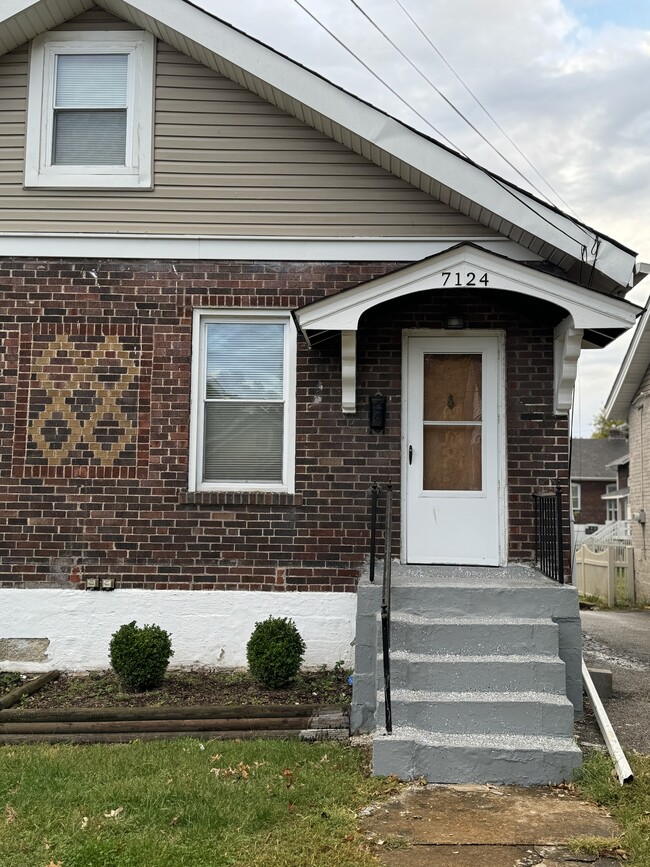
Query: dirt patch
{"type": "Point", "coordinates": [191, 688]}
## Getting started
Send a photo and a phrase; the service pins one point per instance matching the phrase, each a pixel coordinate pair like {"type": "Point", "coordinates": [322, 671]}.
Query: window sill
{"type": "Point", "coordinates": [239, 498]}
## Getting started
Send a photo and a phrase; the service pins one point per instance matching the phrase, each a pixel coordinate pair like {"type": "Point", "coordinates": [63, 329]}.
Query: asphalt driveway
{"type": "Point", "coordinates": [620, 641]}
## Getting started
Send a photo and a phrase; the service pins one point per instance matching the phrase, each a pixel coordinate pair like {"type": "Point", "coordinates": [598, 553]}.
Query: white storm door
{"type": "Point", "coordinates": [453, 460]}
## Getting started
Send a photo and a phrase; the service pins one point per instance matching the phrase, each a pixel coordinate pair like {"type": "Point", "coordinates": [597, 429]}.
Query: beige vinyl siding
{"type": "Point", "coordinates": [226, 163]}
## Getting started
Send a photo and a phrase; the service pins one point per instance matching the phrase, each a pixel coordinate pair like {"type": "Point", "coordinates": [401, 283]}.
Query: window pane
{"type": "Point", "coordinates": [243, 442]}
{"type": "Point", "coordinates": [245, 361]}
{"type": "Point", "coordinates": [91, 80]}
{"type": "Point", "coordinates": [452, 458]}
{"type": "Point", "coordinates": [452, 387]}
{"type": "Point", "coordinates": [89, 138]}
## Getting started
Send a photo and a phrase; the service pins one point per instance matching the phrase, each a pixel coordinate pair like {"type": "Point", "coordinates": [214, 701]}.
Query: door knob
{"type": "Point", "coordinates": [410, 455]}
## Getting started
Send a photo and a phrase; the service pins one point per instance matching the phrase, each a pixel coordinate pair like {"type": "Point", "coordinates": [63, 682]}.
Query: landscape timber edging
{"type": "Point", "coordinates": [12, 698]}
{"type": "Point", "coordinates": [120, 725]}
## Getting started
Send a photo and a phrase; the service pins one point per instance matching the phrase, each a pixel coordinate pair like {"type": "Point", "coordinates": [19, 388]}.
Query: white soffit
{"type": "Point", "coordinates": [22, 20]}
{"type": "Point", "coordinates": [632, 371]}
{"type": "Point", "coordinates": [346, 119]}
{"type": "Point", "coordinates": [588, 309]}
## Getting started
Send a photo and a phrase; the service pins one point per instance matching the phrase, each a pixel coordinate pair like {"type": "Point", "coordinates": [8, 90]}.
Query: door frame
{"type": "Point", "coordinates": [502, 462]}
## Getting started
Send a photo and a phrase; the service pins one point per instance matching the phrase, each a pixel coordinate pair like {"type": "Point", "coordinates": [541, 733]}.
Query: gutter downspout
{"type": "Point", "coordinates": [623, 768]}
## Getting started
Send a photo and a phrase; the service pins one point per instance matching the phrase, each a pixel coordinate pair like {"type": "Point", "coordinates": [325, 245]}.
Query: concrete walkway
{"type": "Point", "coordinates": [485, 826]}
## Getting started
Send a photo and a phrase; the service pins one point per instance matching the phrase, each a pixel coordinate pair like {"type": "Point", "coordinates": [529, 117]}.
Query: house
{"type": "Point", "coordinates": [234, 297]}
{"type": "Point", "coordinates": [627, 400]}
{"type": "Point", "coordinates": [595, 490]}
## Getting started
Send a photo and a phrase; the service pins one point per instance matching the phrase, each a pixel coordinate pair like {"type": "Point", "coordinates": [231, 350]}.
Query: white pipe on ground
{"type": "Point", "coordinates": [623, 768]}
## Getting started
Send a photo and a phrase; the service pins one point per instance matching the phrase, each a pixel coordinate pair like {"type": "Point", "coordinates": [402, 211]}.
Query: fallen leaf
{"type": "Point", "coordinates": [114, 814]}
{"type": "Point", "coordinates": [324, 759]}
{"type": "Point", "coordinates": [215, 757]}
{"type": "Point", "coordinates": [84, 823]}
{"type": "Point", "coordinates": [52, 864]}
{"type": "Point", "coordinates": [287, 773]}
{"type": "Point", "coordinates": [10, 814]}
{"type": "Point", "coordinates": [291, 806]}
{"type": "Point", "coordinates": [174, 820]}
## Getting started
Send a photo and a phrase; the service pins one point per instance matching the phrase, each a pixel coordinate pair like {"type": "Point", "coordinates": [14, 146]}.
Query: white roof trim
{"type": "Point", "coordinates": [631, 372]}
{"type": "Point", "coordinates": [588, 309]}
{"type": "Point", "coordinates": [317, 248]}
{"type": "Point", "coordinates": [359, 126]}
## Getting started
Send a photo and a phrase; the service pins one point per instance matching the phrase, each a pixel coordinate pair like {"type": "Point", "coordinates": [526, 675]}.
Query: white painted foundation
{"type": "Point", "coordinates": [208, 628]}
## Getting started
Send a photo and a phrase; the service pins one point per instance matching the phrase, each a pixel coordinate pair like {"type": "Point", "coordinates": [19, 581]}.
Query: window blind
{"type": "Point", "coordinates": [90, 111]}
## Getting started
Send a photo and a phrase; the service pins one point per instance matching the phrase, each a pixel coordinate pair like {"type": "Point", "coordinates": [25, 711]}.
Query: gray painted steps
{"type": "Point", "coordinates": [487, 672]}
{"type": "Point", "coordinates": [493, 713]}
{"type": "Point", "coordinates": [468, 758]}
{"type": "Point", "coordinates": [482, 662]}
{"type": "Point", "coordinates": [474, 635]}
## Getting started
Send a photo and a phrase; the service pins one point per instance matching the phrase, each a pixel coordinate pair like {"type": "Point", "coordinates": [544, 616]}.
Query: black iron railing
{"type": "Point", "coordinates": [549, 536]}
{"type": "Point", "coordinates": [385, 593]}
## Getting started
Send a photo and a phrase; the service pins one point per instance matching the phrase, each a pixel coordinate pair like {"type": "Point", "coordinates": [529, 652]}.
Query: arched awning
{"type": "Point", "coordinates": [463, 267]}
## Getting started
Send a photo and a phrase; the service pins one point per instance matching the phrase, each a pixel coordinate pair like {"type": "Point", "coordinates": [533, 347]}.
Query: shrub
{"type": "Point", "coordinates": [275, 651]}
{"type": "Point", "coordinates": [139, 657]}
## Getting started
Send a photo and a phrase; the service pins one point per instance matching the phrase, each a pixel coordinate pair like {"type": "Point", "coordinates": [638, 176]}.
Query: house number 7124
{"type": "Point", "coordinates": [468, 279]}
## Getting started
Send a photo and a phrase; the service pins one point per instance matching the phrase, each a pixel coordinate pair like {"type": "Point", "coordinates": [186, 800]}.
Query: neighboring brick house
{"type": "Point", "coordinates": [628, 400]}
{"type": "Point", "coordinates": [212, 262]}
{"type": "Point", "coordinates": [595, 487]}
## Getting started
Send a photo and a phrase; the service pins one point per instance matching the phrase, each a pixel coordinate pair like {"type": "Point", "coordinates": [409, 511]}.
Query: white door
{"type": "Point", "coordinates": [453, 451]}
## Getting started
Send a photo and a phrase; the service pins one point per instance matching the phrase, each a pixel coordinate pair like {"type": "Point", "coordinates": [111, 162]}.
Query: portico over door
{"type": "Point", "coordinates": [454, 448]}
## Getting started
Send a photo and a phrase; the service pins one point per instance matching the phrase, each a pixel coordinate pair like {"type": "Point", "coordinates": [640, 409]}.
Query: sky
{"type": "Point", "coordinates": [568, 81]}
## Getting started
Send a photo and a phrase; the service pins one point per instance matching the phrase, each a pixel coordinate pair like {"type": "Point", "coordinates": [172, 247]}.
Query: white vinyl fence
{"type": "Point", "coordinates": [607, 574]}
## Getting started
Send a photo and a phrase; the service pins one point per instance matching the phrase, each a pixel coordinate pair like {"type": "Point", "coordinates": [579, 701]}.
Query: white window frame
{"type": "Point", "coordinates": [137, 173]}
{"type": "Point", "coordinates": [611, 504]}
{"type": "Point", "coordinates": [576, 497]}
{"type": "Point", "coordinates": [201, 319]}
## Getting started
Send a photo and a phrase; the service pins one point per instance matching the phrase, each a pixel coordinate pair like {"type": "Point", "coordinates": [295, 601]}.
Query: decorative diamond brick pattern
{"type": "Point", "coordinates": [87, 390]}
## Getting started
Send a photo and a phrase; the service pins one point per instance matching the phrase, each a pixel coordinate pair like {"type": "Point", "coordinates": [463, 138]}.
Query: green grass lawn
{"type": "Point", "coordinates": [184, 804]}
{"type": "Point", "coordinates": [629, 804]}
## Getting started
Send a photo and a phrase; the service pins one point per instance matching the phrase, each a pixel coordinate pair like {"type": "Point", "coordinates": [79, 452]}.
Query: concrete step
{"type": "Point", "coordinates": [483, 713]}
{"type": "Point", "coordinates": [486, 673]}
{"type": "Point", "coordinates": [474, 600]}
{"type": "Point", "coordinates": [439, 757]}
{"type": "Point", "coordinates": [473, 635]}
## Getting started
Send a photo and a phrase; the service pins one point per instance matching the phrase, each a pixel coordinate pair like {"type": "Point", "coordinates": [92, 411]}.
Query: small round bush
{"type": "Point", "coordinates": [140, 656]}
{"type": "Point", "coordinates": [275, 651]}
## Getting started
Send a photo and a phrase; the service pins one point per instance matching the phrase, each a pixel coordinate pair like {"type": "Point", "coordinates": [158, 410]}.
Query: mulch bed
{"type": "Point", "coordinates": [200, 703]}
{"type": "Point", "coordinates": [223, 687]}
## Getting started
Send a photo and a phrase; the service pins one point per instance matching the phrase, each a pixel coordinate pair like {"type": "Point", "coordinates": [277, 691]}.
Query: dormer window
{"type": "Point", "coordinates": [90, 110]}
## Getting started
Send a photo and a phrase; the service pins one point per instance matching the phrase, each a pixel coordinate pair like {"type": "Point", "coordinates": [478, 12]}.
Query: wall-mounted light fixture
{"type": "Point", "coordinates": [454, 322]}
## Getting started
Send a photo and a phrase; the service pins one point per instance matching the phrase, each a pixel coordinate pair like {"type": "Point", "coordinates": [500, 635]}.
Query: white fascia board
{"type": "Point", "coordinates": [587, 308]}
{"type": "Point", "coordinates": [244, 247]}
{"type": "Point", "coordinates": [631, 372]}
{"type": "Point", "coordinates": [385, 132]}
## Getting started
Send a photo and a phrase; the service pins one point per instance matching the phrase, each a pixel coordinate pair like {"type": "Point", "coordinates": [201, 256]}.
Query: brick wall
{"type": "Point", "coordinates": [592, 506]}
{"type": "Point", "coordinates": [78, 334]}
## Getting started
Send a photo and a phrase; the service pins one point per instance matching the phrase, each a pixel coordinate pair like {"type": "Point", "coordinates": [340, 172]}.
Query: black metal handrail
{"type": "Point", "coordinates": [549, 534]}
{"type": "Point", "coordinates": [386, 585]}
